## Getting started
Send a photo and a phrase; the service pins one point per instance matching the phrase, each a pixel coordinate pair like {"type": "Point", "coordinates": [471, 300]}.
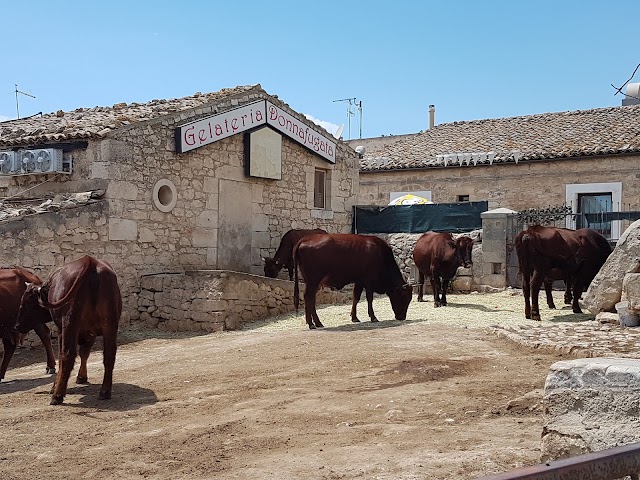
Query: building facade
{"type": "Point", "coordinates": [210, 181]}
{"type": "Point", "coordinates": [588, 160]}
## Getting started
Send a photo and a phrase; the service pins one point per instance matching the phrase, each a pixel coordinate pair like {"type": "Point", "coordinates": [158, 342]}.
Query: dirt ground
{"type": "Point", "coordinates": [392, 400]}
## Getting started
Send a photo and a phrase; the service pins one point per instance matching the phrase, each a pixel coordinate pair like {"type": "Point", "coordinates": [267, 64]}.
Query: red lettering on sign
{"type": "Point", "coordinates": [189, 137]}
{"type": "Point", "coordinates": [234, 124]}
{"type": "Point", "coordinates": [218, 130]}
{"type": "Point", "coordinates": [259, 116]}
{"type": "Point", "coordinates": [202, 136]}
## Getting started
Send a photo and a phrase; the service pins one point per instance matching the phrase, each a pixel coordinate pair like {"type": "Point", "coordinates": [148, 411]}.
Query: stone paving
{"type": "Point", "coordinates": [581, 340]}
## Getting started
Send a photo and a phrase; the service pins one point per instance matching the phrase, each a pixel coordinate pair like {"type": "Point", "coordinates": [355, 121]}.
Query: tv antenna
{"type": "Point", "coordinates": [354, 103]}
{"type": "Point", "coordinates": [22, 93]}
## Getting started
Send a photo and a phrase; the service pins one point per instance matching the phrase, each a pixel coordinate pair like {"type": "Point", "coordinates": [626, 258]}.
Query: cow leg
{"type": "Point", "coordinates": [435, 285]}
{"type": "Point", "coordinates": [443, 297]}
{"type": "Point", "coordinates": [420, 286]}
{"type": "Point", "coordinates": [290, 269]}
{"type": "Point", "coordinates": [310, 306]}
{"type": "Point", "coordinates": [109, 360]}
{"type": "Point", "coordinates": [577, 293]}
{"type": "Point", "coordinates": [536, 282]}
{"type": "Point", "coordinates": [369, 293]}
{"type": "Point", "coordinates": [9, 345]}
{"type": "Point", "coordinates": [568, 298]}
{"type": "Point", "coordinates": [67, 358]}
{"type": "Point", "coordinates": [548, 284]}
{"type": "Point", "coordinates": [45, 337]}
{"type": "Point", "coordinates": [357, 293]}
{"type": "Point", "coordinates": [85, 345]}
{"type": "Point", "coordinates": [526, 292]}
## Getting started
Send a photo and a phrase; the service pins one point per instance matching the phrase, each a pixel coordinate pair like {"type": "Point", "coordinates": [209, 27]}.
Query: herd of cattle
{"type": "Point", "coordinates": [83, 298]}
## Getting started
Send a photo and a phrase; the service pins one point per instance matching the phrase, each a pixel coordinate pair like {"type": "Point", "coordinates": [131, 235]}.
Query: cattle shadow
{"type": "Point", "coordinates": [571, 317]}
{"type": "Point", "coordinates": [368, 325]}
{"type": "Point", "coordinates": [124, 397]}
{"type": "Point", "coordinates": [9, 385]}
{"type": "Point", "coordinates": [473, 306]}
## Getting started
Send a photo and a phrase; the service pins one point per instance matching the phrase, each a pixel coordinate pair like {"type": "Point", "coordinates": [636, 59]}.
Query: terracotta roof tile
{"type": "Point", "coordinates": [86, 123]}
{"type": "Point", "coordinates": [544, 136]}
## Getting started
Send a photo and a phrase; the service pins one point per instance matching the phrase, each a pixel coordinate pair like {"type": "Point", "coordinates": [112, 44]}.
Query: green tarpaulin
{"type": "Point", "coordinates": [436, 217]}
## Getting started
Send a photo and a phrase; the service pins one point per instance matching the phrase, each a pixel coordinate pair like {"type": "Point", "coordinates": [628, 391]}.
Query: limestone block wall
{"type": "Point", "coordinates": [525, 185]}
{"type": "Point", "coordinates": [215, 300]}
{"type": "Point", "coordinates": [591, 404]}
{"type": "Point", "coordinates": [403, 244]}
{"type": "Point", "coordinates": [45, 241]}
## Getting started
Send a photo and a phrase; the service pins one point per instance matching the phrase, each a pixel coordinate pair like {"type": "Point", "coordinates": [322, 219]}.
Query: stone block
{"type": "Point", "coordinates": [123, 229]}
{"type": "Point", "coordinates": [631, 290]}
{"type": "Point", "coordinates": [591, 404]}
{"type": "Point", "coordinates": [461, 284]}
{"type": "Point", "coordinates": [152, 283]}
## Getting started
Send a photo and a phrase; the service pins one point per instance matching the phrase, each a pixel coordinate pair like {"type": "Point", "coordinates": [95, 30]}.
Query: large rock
{"type": "Point", "coordinates": [606, 288]}
{"type": "Point", "coordinates": [591, 404]}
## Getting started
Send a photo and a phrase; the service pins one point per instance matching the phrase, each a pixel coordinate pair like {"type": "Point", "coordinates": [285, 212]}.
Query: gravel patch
{"type": "Point", "coordinates": [470, 310]}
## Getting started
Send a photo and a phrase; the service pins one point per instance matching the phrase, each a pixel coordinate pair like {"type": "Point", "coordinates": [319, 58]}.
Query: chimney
{"type": "Point", "coordinates": [432, 116]}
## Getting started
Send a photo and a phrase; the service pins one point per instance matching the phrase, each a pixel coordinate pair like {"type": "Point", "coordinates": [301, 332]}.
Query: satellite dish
{"type": "Point", "coordinates": [338, 134]}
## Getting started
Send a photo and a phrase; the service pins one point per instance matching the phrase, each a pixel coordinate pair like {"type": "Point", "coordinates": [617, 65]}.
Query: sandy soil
{"type": "Point", "coordinates": [392, 400]}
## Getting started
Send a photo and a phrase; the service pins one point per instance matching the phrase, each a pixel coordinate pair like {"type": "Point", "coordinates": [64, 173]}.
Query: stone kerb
{"type": "Point", "coordinates": [217, 300]}
{"type": "Point", "coordinates": [591, 404]}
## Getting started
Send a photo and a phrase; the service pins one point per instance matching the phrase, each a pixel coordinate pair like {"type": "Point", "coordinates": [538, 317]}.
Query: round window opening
{"type": "Point", "coordinates": [164, 195]}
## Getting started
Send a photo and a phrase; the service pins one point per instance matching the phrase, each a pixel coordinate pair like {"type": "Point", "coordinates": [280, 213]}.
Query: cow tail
{"type": "Point", "coordinates": [296, 288]}
{"type": "Point", "coordinates": [69, 295]}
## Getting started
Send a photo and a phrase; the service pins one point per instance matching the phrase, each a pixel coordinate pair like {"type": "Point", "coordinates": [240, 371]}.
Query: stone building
{"type": "Point", "coordinates": [209, 181]}
{"type": "Point", "coordinates": [587, 159]}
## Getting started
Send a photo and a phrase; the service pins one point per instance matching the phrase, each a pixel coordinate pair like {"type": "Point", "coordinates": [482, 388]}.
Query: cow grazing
{"type": "Point", "coordinates": [84, 299]}
{"type": "Point", "coordinates": [550, 252]}
{"type": "Point", "coordinates": [284, 255]}
{"type": "Point", "coordinates": [12, 286]}
{"type": "Point", "coordinates": [438, 256]}
{"type": "Point", "coordinates": [336, 260]}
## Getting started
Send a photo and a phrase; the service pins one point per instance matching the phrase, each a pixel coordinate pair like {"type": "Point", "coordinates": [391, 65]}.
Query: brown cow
{"type": "Point", "coordinates": [84, 298]}
{"type": "Point", "coordinates": [336, 260]}
{"type": "Point", "coordinates": [284, 255]}
{"type": "Point", "coordinates": [438, 256]}
{"type": "Point", "coordinates": [577, 254]}
{"type": "Point", "coordinates": [12, 286]}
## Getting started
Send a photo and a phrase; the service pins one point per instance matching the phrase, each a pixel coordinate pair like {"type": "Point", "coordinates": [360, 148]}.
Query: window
{"type": "Point", "coordinates": [320, 189]}
{"type": "Point", "coordinates": [594, 203]}
{"type": "Point", "coordinates": [591, 198]}
{"type": "Point", "coordinates": [463, 198]}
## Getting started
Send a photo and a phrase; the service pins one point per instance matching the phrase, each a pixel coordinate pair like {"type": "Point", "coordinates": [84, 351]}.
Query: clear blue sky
{"type": "Point", "coordinates": [472, 59]}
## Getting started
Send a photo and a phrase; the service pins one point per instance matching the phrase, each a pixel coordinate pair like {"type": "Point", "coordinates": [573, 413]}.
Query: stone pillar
{"type": "Point", "coordinates": [493, 270]}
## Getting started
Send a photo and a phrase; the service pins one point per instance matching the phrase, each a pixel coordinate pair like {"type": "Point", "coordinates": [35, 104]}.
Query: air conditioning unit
{"type": "Point", "coordinates": [43, 160]}
{"type": "Point", "coordinates": [8, 163]}
{"type": "Point", "coordinates": [48, 160]}
{"type": "Point", "coordinates": [26, 161]}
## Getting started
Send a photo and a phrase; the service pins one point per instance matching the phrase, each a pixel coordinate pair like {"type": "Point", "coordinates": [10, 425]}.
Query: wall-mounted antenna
{"type": "Point", "coordinates": [353, 102]}
{"type": "Point", "coordinates": [22, 93]}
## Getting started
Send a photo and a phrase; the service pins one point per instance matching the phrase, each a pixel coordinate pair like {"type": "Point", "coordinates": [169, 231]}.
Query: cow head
{"type": "Point", "coordinates": [400, 299]}
{"type": "Point", "coordinates": [271, 267]}
{"type": "Point", "coordinates": [464, 247]}
{"type": "Point", "coordinates": [31, 312]}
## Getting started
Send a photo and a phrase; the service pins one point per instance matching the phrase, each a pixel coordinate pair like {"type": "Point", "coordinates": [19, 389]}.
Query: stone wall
{"type": "Point", "coordinates": [222, 219]}
{"type": "Point", "coordinates": [215, 300]}
{"type": "Point", "coordinates": [403, 244]}
{"type": "Point", "coordinates": [590, 404]}
{"type": "Point", "coordinates": [525, 185]}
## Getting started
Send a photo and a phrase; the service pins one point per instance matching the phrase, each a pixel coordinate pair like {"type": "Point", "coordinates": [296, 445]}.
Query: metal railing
{"type": "Point", "coordinates": [610, 464]}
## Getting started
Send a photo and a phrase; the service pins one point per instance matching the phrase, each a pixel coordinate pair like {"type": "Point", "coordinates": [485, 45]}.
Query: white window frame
{"type": "Point", "coordinates": [614, 188]}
